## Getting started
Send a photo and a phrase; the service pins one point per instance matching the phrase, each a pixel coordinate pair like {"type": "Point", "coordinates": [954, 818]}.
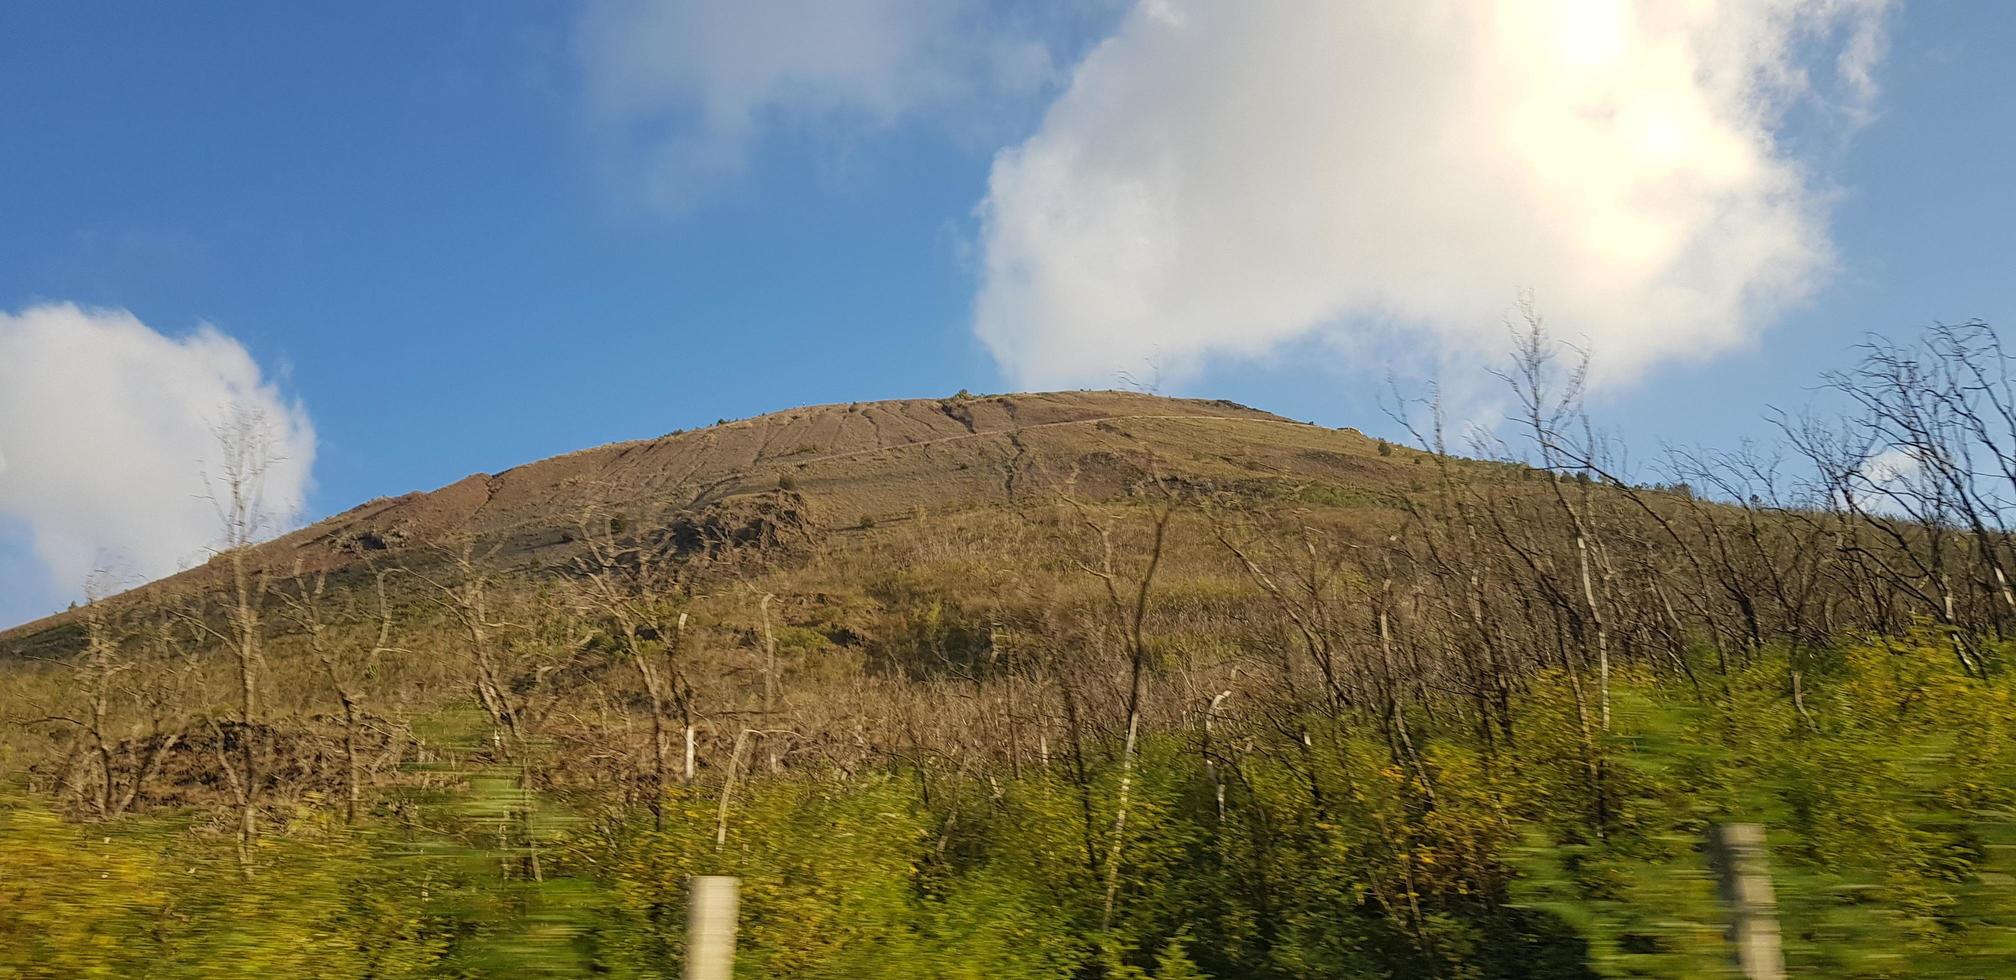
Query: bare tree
{"type": "Point", "coordinates": [108, 669]}
{"type": "Point", "coordinates": [1550, 402]}
{"type": "Point", "coordinates": [344, 666]}
{"type": "Point", "coordinates": [1128, 589]}
{"type": "Point", "coordinates": [247, 451]}
{"type": "Point", "coordinates": [635, 585]}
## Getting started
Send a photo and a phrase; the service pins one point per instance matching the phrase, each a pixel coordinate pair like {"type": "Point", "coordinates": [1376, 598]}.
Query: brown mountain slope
{"type": "Point", "coordinates": [849, 463]}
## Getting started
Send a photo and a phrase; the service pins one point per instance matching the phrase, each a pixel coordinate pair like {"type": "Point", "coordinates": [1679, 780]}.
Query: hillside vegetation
{"type": "Point", "coordinates": [1095, 685]}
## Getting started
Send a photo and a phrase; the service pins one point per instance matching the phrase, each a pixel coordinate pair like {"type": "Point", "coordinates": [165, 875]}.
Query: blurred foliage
{"type": "Point", "coordinates": [1890, 801]}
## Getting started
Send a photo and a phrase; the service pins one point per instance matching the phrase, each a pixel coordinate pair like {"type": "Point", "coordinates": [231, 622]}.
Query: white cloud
{"type": "Point", "coordinates": [1223, 178]}
{"type": "Point", "coordinates": [1892, 468]}
{"type": "Point", "coordinates": [105, 427]}
{"type": "Point", "coordinates": [691, 85]}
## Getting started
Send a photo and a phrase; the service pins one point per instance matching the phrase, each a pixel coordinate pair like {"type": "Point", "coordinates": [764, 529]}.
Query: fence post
{"type": "Point", "coordinates": [710, 928]}
{"type": "Point", "coordinates": [1738, 852]}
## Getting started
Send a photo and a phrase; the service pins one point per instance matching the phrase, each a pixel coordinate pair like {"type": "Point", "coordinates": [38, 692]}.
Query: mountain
{"type": "Point", "coordinates": [849, 465]}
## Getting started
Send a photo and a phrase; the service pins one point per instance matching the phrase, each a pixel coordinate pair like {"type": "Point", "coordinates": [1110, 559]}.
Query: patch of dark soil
{"type": "Point", "coordinates": [768, 523]}
{"type": "Point", "coordinates": [186, 769]}
{"type": "Point", "coordinates": [364, 540]}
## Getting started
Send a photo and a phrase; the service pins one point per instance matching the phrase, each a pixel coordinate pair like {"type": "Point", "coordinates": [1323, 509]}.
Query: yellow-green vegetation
{"type": "Point", "coordinates": [1893, 816]}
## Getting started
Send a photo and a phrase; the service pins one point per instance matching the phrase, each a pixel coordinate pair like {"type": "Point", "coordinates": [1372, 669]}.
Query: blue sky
{"type": "Point", "coordinates": [458, 237]}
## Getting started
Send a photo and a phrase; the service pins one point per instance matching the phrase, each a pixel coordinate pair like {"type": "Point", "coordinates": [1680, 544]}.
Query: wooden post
{"type": "Point", "coordinates": [710, 928]}
{"type": "Point", "coordinates": [1738, 852]}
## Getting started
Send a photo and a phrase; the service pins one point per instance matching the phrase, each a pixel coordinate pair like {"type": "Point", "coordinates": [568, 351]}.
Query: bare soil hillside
{"type": "Point", "coordinates": [846, 465]}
